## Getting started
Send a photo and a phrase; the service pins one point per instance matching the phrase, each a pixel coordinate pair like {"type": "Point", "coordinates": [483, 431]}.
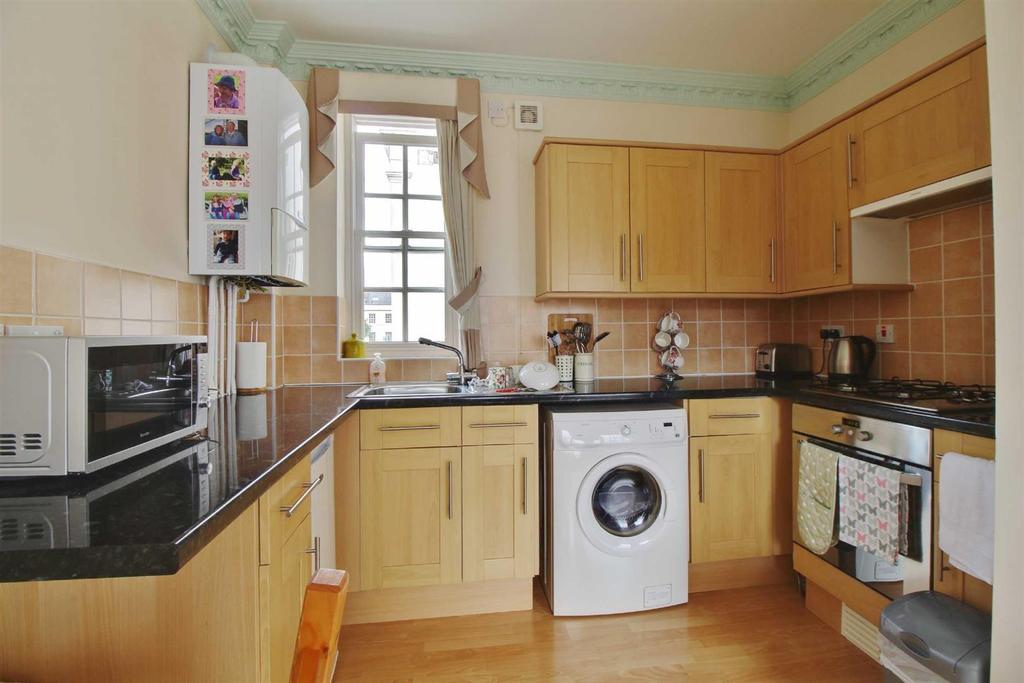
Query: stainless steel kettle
{"type": "Point", "coordinates": [850, 359]}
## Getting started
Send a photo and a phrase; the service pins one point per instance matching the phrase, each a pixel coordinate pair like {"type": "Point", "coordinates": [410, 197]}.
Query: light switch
{"type": "Point", "coordinates": [885, 334]}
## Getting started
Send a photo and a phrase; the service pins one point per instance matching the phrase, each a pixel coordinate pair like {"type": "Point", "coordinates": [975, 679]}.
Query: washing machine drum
{"type": "Point", "coordinates": [626, 501]}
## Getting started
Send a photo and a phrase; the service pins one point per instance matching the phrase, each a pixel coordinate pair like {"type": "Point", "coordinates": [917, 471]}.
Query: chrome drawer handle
{"type": "Point", "coordinates": [411, 428]}
{"type": "Point", "coordinates": [525, 489]}
{"type": "Point", "coordinates": [289, 510]}
{"type": "Point", "coordinates": [315, 552]}
{"type": "Point", "coordinates": [485, 425]}
{"type": "Point", "coordinates": [700, 464]}
{"type": "Point", "coordinates": [735, 416]}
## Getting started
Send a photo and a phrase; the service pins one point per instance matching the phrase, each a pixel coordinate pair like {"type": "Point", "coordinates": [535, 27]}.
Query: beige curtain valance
{"type": "Point", "coordinates": [325, 103]}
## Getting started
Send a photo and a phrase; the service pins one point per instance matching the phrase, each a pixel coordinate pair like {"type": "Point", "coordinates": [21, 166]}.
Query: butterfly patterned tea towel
{"type": "Point", "coordinates": [869, 507]}
{"type": "Point", "coordinates": [816, 497]}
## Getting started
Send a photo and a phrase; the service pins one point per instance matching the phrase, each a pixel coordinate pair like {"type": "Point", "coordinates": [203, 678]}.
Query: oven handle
{"type": "Point", "coordinates": [905, 478]}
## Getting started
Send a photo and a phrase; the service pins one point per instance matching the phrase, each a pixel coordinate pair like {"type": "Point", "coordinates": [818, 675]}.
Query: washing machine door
{"type": "Point", "coordinates": [623, 503]}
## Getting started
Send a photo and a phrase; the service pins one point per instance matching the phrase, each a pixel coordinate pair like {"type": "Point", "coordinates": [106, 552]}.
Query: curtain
{"type": "Point", "coordinates": [322, 102]}
{"type": "Point", "coordinates": [457, 199]}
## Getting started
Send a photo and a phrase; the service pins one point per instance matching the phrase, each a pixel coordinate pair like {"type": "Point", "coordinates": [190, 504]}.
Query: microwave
{"type": "Point", "coordinates": [71, 405]}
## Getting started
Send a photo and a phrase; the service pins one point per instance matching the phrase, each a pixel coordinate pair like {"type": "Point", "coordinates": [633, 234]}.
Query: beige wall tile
{"type": "Point", "coordinates": [926, 300]}
{"type": "Point", "coordinates": [356, 371]}
{"type": "Point", "coordinates": [139, 327]}
{"type": "Point", "coordinates": [19, 320]}
{"type": "Point", "coordinates": [164, 327]}
{"type": "Point", "coordinates": [296, 310]}
{"type": "Point", "coordinates": [256, 308]}
{"type": "Point", "coordinates": [325, 369]}
{"type": "Point", "coordinates": [757, 310]}
{"type": "Point", "coordinates": [734, 335]}
{"type": "Point", "coordinates": [733, 310]}
{"type": "Point", "coordinates": [102, 326]}
{"type": "Point", "coordinates": [895, 364]}
{"type": "Point", "coordinates": [709, 360]}
{"type": "Point", "coordinates": [188, 302]}
{"type": "Point", "coordinates": [608, 363]}
{"type": "Point", "coordinates": [440, 368]}
{"type": "Point", "coordinates": [986, 218]}
{"type": "Point", "coordinates": [894, 304]}
{"type": "Point", "coordinates": [964, 335]}
{"type": "Point", "coordinates": [324, 310]}
{"type": "Point", "coordinates": [58, 286]}
{"type": "Point", "coordinates": [72, 326]}
{"type": "Point", "coordinates": [191, 328]}
{"type": "Point", "coordinates": [961, 259]}
{"type": "Point", "coordinates": [102, 291]}
{"type": "Point", "coordinates": [686, 308]}
{"type": "Point", "coordinates": [609, 310]}
{"type": "Point", "coordinates": [635, 336]}
{"type": "Point", "coordinates": [164, 299]}
{"type": "Point", "coordinates": [16, 281]}
{"type": "Point", "coordinates": [927, 366]}
{"type": "Point", "coordinates": [634, 310]}
{"type": "Point", "coordinates": [961, 224]}
{"type": "Point", "coordinates": [758, 333]}
{"type": "Point", "coordinates": [926, 264]}
{"type": "Point", "coordinates": [416, 369]}
{"type": "Point", "coordinates": [296, 369]}
{"type": "Point", "coordinates": [297, 340]}
{"type": "Point", "coordinates": [735, 360]}
{"type": "Point", "coordinates": [709, 335]}
{"type": "Point", "coordinates": [802, 308]}
{"type": "Point", "coordinates": [635, 363]}
{"type": "Point", "coordinates": [962, 297]}
{"type": "Point", "coordinates": [615, 335]}
{"type": "Point", "coordinates": [136, 296]}
{"type": "Point", "coordinates": [925, 232]}
{"type": "Point", "coordinates": [324, 339]}
{"type": "Point", "coordinates": [709, 309]}
{"type": "Point", "coordinates": [865, 305]}
{"type": "Point", "coordinates": [926, 334]}
{"type": "Point", "coordinates": [965, 369]}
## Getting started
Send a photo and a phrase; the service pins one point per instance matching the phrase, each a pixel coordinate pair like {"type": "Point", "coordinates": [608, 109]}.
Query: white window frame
{"type": "Point", "coordinates": [394, 349]}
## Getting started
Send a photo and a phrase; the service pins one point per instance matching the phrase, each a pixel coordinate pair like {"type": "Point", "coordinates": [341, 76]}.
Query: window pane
{"type": "Point", "coordinates": [382, 269]}
{"type": "Point", "coordinates": [382, 214]}
{"type": "Point", "coordinates": [382, 168]}
{"type": "Point", "coordinates": [424, 173]}
{"type": "Point", "coordinates": [384, 242]}
{"type": "Point", "coordinates": [426, 269]}
{"type": "Point", "coordinates": [424, 243]}
{"type": "Point", "coordinates": [382, 316]}
{"type": "Point", "coordinates": [426, 315]}
{"type": "Point", "coordinates": [426, 215]}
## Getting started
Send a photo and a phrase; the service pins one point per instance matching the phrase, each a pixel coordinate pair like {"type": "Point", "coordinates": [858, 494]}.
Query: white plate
{"type": "Point", "coordinates": [538, 375]}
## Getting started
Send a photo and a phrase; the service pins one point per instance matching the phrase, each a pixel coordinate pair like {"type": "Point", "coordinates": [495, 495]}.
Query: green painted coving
{"type": "Point", "coordinates": [271, 42]}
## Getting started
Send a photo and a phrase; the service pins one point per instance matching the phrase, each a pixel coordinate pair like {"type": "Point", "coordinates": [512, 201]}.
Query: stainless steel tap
{"type": "Point", "coordinates": [462, 376]}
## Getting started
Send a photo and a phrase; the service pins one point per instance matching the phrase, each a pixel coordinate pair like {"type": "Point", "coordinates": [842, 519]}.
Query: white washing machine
{"type": "Point", "coordinates": [616, 508]}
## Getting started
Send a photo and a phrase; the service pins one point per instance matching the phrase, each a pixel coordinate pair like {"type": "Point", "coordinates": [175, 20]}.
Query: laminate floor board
{"type": "Point", "coordinates": [753, 635]}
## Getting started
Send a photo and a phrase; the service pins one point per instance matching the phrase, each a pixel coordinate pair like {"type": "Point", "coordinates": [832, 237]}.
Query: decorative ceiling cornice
{"type": "Point", "coordinates": [271, 42]}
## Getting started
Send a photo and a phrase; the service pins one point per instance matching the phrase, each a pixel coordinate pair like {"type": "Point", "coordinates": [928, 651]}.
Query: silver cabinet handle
{"type": "Point", "coordinates": [449, 489]}
{"type": "Point", "coordinates": [525, 488]}
{"type": "Point", "coordinates": [622, 256]}
{"type": "Point", "coordinates": [771, 247]}
{"type": "Point", "coordinates": [289, 510]}
{"type": "Point", "coordinates": [640, 256]}
{"type": "Point", "coordinates": [835, 247]}
{"type": "Point", "coordinates": [850, 142]}
{"type": "Point", "coordinates": [486, 425]}
{"type": "Point", "coordinates": [700, 469]}
{"type": "Point", "coordinates": [410, 428]}
{"type": "Point", "coordinates": [734, 416]}
{"type": "Point", "coordinates": [315, 552]}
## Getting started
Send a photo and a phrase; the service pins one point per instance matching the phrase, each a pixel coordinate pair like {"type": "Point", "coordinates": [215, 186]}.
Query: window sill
{"type": "Point", "coordinates": [401, 350]}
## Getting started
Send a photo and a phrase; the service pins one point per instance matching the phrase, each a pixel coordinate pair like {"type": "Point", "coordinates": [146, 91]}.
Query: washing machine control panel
{"type": "Point", "coordinates": [587, 434]}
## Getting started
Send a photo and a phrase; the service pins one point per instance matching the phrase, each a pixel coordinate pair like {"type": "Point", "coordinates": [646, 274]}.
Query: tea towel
{"type": "Point", "coordinates": [869, 507]}
{"type": "Point", "coordinates": [816, 497]}
{"type": "Point", "coordinates": [967, 513]}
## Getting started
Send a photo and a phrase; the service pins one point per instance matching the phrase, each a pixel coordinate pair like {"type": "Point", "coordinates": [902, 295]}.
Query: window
{"type": "Point", "coordinates": [401, 268]}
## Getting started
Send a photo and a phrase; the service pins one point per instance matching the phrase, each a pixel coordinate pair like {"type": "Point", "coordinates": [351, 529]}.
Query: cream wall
{"type": "Point", "coordinates": [93, 129]}
{"type": "Point", "coordinates": [954, 29]}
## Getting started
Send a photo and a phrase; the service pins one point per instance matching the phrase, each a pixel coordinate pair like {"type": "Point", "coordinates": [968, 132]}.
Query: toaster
{"type": "Point", "coordinates": [782, 361]}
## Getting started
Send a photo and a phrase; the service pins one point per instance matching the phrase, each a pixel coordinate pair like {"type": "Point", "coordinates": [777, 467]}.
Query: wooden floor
{"type": "Point", "coordinates": [751, 634]}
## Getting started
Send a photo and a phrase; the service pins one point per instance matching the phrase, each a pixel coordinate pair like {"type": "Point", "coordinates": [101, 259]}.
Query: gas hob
{"type": "Point", "coordinates": [926, 396]}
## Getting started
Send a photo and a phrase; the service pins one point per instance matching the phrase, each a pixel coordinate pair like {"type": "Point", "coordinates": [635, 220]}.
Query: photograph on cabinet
{"type": "Point", "coordinates": [226, 247]}
{"type": "Point", "coordinates": [226, 169]}
{"type": "Point", "coordinates": [227, 206]}
{"type": "Point", "coordinates": [226, 132]}
{"type": "Point", "coordinates": [225, 91]}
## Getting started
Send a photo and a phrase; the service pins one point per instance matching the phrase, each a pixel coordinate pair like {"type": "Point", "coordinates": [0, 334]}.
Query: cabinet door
{"type": "Point", "coordinates": [499, 494]}
{"type": "Point", "coordinates": [588, 196]}
{"type": "Point", "coordinates": [411, 517]}
{"type": "Point", "coordinates": [666, 220]}
{"type": "Point", "coordinates": [934, 129]}
{"type": "Point", "coordinates": [730, 497]}
{"type": "Point", "coordinates": [817, 233]}
{"type": "Point", "coordinates": [742, 192]}
{"type": "Point", "coordinates": [290, 571]}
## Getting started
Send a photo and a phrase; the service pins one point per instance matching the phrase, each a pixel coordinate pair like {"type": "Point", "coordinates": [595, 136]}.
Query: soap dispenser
{"type": "Point", "coordinates": [377, 370]}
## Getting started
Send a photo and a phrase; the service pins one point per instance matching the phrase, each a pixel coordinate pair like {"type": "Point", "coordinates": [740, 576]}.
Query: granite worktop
{"type": "Point", "coordinates": [151, 514]}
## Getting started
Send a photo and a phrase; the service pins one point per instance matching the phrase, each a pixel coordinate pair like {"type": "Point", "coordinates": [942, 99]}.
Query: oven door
{"type": "Point", "coordinates": [912, 572]}
{"type": "Point", "coordinates": [141, 392]}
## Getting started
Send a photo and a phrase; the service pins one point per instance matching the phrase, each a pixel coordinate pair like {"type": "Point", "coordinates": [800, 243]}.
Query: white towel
{"type": "Point", "coordinates": [967, 512]}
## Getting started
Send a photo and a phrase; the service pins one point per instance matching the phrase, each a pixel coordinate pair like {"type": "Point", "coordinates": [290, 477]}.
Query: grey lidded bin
{"type": "Point", "coordinates": [944, 635]}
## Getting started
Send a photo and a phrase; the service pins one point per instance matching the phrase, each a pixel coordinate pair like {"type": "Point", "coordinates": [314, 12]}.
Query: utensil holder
{"type": "Point", "coordinates": [565, 366]}
{"type": "Point", "coordinates": [583, 367]}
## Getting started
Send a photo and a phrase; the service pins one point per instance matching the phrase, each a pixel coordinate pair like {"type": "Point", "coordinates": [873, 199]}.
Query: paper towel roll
{"type": "Point", "coordinates": [251, 367]}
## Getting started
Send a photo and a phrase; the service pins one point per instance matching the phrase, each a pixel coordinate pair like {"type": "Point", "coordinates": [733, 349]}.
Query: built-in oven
{"type": "Point", "coordinates": [78, 404]}
{"type": "Point", "coordinates": [894, 446]}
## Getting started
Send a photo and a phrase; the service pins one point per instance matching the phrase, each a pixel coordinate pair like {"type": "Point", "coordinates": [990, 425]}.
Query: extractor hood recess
{"type": "Point", "coordinates": [968, 188]}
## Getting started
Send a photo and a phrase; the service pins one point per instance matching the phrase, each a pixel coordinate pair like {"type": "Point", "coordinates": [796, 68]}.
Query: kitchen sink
{"type": "Point", "coordinates": [402, 389]}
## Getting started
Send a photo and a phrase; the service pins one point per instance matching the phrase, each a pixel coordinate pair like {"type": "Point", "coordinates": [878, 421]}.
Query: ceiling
{"type": "Point", "coordinates": [763, 37]}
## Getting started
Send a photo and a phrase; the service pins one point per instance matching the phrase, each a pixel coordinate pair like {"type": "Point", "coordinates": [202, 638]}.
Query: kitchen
{"type": "Point", "coordinates": [759, 223]}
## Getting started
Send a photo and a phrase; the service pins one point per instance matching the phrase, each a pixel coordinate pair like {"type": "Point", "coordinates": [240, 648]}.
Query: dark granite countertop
{"type": "Point", "coordinates": [151, 514]}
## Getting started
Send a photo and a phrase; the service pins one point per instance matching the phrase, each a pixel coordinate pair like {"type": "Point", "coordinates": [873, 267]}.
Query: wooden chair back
{"type": "Point", "coordinates": [316, 644]}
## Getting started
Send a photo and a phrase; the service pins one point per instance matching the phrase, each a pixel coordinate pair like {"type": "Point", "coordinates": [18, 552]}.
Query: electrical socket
{"type": "Point", "coordinates": [885, 334]}
{"type": "Point", "coordinates": [832, 332]}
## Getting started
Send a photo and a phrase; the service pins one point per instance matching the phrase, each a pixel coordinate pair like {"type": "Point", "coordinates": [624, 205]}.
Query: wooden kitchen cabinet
{"type": "Point", "coordinates": [934, 129]}
{"type": "Point", "coordinates": [289, 572]}
{"type": "Point", "coordinates": [411, 517]}
{"type": "Point", "coordinates": [817, 218]}
{"type": "Point", "coordinates": [945, 577]}
{"type": "Point", "coordinates": [730, 497]}
{"type": "Point", "coordinates": [743, 204]}
{"type": "Point", "coordinates": [666, 220]}
{"type": "Point", "coordinates": [582, 219]}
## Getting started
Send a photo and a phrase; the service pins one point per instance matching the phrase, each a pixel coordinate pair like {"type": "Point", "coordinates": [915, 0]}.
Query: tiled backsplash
{"type": "Point", "coordinates": [945, 328]}
{"type": "Point", "coordinates": [85, 298]}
